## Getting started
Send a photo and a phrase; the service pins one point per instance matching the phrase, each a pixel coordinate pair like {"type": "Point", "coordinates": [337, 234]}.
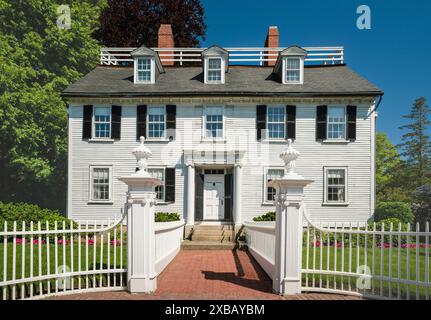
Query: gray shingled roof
{"type": "Point", "coordinates": [240, 80]}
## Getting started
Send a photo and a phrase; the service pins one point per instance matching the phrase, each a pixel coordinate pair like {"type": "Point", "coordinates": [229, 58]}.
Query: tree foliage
{"type": "Point", "coordinates": [37, 61]}
{"type": "Point", "coordinates": [132, 23]}
{"type": "Point", "coordinates": [422, 203]}
{"type": "Point", "coordinates": [416, 145]}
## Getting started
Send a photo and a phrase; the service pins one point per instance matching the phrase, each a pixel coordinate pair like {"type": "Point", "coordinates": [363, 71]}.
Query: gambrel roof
{"type": "Point", "coordinates": [329, 80]}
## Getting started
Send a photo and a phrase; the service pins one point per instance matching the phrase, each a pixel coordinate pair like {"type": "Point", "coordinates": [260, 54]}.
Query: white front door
{"type": "Point", "coordinates": [213, 197]}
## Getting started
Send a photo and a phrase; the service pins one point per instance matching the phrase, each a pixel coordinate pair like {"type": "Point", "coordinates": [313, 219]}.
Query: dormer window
{"type": "Point", "coordinates": [215, 65]}
{"type": "Point", "coordinates": [214, 69]}
{"type": "Point", "coordinates": [144, 70]}
{"type": "Point", "coordinates": [293, 70]}
{"type": "Point", "coordinates": [290, 65]}
{"type": "Point", "coordinates": [147, 65]}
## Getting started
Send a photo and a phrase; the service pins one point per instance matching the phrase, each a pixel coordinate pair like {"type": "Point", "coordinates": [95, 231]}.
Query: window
{"type": "Point", "coordinates": [100, 178]}
{"type": "Point", "coordinates": [159, 173]}
{"type": "Point", "coordinates": [336, 123]}
{"type": "Point", "coordinates": [156, 122]}
{"type": "Point", "coordinates": [293, 70]}
{"type": "Point", "coordinates": [214, 70]}
{"type": "Point", "coordinates": [144, 70]}
{"type": "Point", "coordinates": [336, 185]}
{"type": "Point", "coordinates": [276, 123]}
{"type": "Point", "coordinates": [102, 122]}
{"type": "Point", "coordinates": [271, 174]}
{"type": "Point", "coordinates": [213, 122]}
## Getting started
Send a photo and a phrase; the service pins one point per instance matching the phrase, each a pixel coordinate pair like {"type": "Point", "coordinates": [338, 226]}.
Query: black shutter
{"type": "Point", "coordinates": [141, 121]}
{"type": "Point", "coordinates": [291, 122]}
{"type": "Point", "coordinates": [228, 196]}
{"type": "Point", "coordinates": [116, 122]}
{"type": "Point", "coordinates": [199, 196]}
{"type": "Point", "coordinates": [260, 120]}
{"type": "Point", "coordinates": [351, 122]}
{"type": "Point", "coordinates": [321, 122]}
{"type": "Point", "coordinates": [170, 184]}
{"type": "Point", "coordinates": [87, 122]}
{"type": "Point", "coordinates": [171, 115]}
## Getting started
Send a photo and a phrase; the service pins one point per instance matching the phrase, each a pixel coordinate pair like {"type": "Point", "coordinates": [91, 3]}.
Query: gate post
{"type": "Point", "coordinates": [288, 225]}
{"type": "Point", "coordinates": [141, 199]}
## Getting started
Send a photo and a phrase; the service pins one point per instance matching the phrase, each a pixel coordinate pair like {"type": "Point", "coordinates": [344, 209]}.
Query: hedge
{"type": "Point", "coordinates": [166, 216]}
{"type": "Point", "coordinates": [396, 210]}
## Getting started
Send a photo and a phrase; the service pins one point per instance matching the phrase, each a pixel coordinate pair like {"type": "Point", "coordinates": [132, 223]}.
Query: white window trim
{"type": "Point", "coordinates": [346, 189]}
{"type": "Point", "coordinates": [93, 125]}
{"type": "Point", "coordinates": [158, 201]}
{"type": "Point", "coordinates": [335, 140]}
{"type": "Point", "coordinates": [223, 70]}
{"type": "Point", "coordinates": [265, 201]}
{"type": "Point", "coordinates": [204, 123]}
{"type": "Point", "coordinates": [147, 129]}
{"type": "Point", "coordinates": [267, 138]}
{"type": "Point", "coordinates": [90, 196]}
{"type": "Point", "coordinates": [153, 66]}
{"type": "Point", "coordinates": [301, 70]}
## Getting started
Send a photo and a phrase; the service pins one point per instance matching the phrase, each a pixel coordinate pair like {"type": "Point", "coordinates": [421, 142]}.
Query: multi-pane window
{"type": "Point", "coordinates": [293, 70]}
{"type": "Point", "coordinates": [102, 122]}
{"type": "Point", "coordinates": [336, 185]}
{"type": "Point", "coordinates": [336, 123]}
{"type": "Point", "coordinates": [100, 180]}
{"type": "Point", "coordinates": [272, 174]}
{"type": "Point", "coordinates": [159, 173]}
{"type": "Point", "coordinates": [276, 123]}
{"type": "Point", "coordinates": [214, 69]}
{"type": "Point", "coordinates": [144, 70]}
{"type": "Point", "coordinates": [156, 122]}
{"type": "Point", "coordinates": [214, 122]}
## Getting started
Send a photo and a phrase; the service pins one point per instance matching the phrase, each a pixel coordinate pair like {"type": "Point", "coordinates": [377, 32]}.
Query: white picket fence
{"type": "Point", "coordinates": [92, 256]}
{"type": "Point", "coordinates": [384, 262]}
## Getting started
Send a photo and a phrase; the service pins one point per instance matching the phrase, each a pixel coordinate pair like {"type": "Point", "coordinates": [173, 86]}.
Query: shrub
{"type": "Point", "coordinates": [166, 216]}
{"type": "Point", "coordinates": [269, 216]}
{"type": "Point", "coordinates": [422, 204]}
{"type": "Point", "coordinates": [398, 210]}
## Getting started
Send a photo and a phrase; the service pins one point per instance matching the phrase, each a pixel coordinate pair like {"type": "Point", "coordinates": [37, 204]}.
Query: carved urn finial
{"type": "Point", "coordinates": [142, 153]}
{"type": "Point", "coordinates": [289, 157]}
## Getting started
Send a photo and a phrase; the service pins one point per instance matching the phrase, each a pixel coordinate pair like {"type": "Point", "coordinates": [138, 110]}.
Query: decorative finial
{"type": "Point", "coordinates": [142, 153]}
{"type": "Point", "coordinates": [289, 157]}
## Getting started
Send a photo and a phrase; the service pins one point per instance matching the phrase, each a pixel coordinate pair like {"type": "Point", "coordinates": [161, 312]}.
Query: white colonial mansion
{"type": "Point", "coordinates": [216, 120]}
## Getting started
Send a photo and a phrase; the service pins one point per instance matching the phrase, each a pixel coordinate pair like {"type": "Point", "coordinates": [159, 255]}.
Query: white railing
{"type": "Point", "coordinates": [168, 241]}
{"type": "Point", "coordinates": [261, 244]}
{"type": "Point", "coordinates": [252, 55]}
{"type": "Point", "coordinates": [381, 262]}
{"type": "Point", "coordinates": [39, 260]}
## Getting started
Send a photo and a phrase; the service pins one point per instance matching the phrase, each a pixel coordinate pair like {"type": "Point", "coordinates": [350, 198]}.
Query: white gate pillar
{"type": "Point", "coordinates": [288, 225]}
{"type": "Point", "coordinates": [237, 195]}
{"type": "Point", "coordinates": [190, 194]}
{"type": "Point", "coordinates": [141, 199]}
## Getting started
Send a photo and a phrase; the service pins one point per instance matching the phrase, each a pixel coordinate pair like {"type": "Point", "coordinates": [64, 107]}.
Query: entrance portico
{"type": "Point", "coordinates": [213, 185]}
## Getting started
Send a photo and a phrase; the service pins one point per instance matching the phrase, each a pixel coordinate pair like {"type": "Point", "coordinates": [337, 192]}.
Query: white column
{"type": "Point", "coordinates": [190, 194]}
{"type": "Point", "coordinates": [141, 238]}
{"type": "Point", "coordinates": [288, 225]}
{"type": "Point", "coordinates": [237, 195]}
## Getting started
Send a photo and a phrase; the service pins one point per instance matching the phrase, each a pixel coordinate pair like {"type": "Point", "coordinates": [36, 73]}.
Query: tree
{"type": "Point", "coordinates": [416, 145]}
{"type": "Point", "coordinates": [132, 23]}
{"type": "Point", "coordinates": [422, 203]}
{"type": "Point", "coordinates": [37, 61]}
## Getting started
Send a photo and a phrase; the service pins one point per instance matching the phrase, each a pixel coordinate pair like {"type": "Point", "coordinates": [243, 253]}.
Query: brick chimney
{"type": "Point", "coordinates": [271, 42]}
{"type": "Point", "coordinates": [166, 40]}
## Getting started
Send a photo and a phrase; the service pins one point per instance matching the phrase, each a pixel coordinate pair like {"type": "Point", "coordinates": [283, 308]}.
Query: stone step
{"type": "Point", "coordinates": [213, 238]}
{"type": "Point", "coordinates": [212, 232]}
{"type": "Point", "coordinates": [207, 245]}
{"type": "Point", "coordinates": [213, 227]}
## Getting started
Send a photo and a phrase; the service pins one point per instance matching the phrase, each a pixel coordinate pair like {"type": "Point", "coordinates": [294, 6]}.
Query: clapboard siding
{"type": "Point", "coordinates": [240, 134]}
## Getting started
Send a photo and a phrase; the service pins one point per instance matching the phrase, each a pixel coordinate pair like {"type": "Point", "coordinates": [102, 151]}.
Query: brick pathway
{"type": "Point", "coordinates": [209, 274]}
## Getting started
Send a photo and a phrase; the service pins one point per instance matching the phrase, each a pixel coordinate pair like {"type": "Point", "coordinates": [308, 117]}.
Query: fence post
{"type": "Point", "coordinates": [141, 197]}
{"type": "Point", "coordinates": [288, 225]}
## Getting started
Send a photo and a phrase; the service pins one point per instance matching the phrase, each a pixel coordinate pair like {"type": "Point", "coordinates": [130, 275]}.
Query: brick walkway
{"type": "Point", "coordinates": [210, 274]}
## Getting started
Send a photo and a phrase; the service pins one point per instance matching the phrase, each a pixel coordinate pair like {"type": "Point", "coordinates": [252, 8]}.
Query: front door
{"type": "Point", "coordinates": [213, 197]}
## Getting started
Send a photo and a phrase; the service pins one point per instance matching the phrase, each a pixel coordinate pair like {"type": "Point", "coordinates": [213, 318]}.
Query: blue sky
{"type": "Point", "coordinates": [394, 54]}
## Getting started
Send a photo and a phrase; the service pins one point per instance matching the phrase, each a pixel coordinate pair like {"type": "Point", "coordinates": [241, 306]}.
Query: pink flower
{"type": "Point", "coordinates": [36, 241]}
{"type": "Point", "coordinates": [316, 244]}
{"type": "Point", "coordinates": [410, 246]}
{"type": "Point", "coordinates": [20, 240]}
{"type": "Point", "coordinates": [115, 242]}
{"type": "Point", "coordinates": [90, 242]}
{"type": "Point", "coordinates": [60, 241]}
{"type": "Point", "coordinates": [384, 245]}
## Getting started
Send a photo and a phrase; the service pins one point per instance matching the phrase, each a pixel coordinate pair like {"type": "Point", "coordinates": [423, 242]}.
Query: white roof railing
{"type": "Point", "coordinates": [251, 56]}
